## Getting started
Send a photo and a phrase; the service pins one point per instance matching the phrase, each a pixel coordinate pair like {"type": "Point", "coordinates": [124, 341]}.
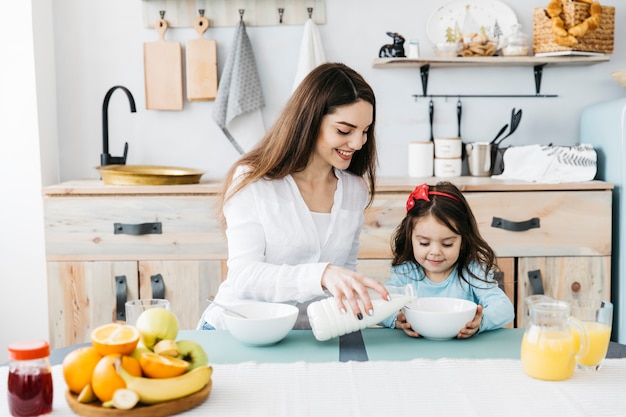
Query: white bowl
{"type": "Point", "coordinates": [266, 323]}
{"type": "Point", "coordinates": [439, 318]}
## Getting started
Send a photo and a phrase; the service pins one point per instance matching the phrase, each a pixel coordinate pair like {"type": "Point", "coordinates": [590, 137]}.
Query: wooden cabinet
{"type": "Point", "coordinates": [168, 239]}
{"type": "Point", "coordinates": [109, 244]}
{"type": "Point", "coordinates": [558, 235]}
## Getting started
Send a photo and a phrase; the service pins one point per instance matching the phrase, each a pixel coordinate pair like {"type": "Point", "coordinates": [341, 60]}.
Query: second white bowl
{"type": "Point", "coordinates": [266, 323]}
{"type": "Point", "coordinates": [439, 318]}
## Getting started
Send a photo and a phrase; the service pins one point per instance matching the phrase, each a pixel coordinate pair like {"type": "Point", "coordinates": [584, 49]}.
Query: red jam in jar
{"type": "Point", "coordinates": [30, 379]}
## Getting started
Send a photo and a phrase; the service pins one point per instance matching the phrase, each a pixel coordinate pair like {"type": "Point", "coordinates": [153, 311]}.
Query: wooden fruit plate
{"type": "Point", "coordinates": [167, 408]}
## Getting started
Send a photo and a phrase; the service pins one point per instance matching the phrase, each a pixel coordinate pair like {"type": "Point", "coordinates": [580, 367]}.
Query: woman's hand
{"type": "Point", "coordinates": [473, 326]}
{"type": "Point", "coordinates": [401, 323]}
{"type": "Point", "coordinates": [342, 282]}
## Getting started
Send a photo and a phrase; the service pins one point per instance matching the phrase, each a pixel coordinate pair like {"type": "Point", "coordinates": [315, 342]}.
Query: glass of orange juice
{"type": "Point", "coordinates": [597, 317]}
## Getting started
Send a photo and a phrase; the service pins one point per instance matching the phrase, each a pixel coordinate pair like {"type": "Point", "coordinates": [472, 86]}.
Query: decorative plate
{"type": "Point", "coordinates": [496, 17]}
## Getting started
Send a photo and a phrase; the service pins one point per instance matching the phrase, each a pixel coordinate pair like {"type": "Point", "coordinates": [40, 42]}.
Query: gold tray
{"type": "Point", "coordinates": [164, 409]}
{"type": "Point", "coordinates": [148, 175]}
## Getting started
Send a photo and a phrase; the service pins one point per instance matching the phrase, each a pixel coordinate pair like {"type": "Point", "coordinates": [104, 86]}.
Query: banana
{"type": "Point", "coordinates": [157, 390]}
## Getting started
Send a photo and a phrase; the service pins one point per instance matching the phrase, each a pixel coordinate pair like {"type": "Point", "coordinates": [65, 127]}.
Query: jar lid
{"type": "Point", "coordinates": [29, 350]}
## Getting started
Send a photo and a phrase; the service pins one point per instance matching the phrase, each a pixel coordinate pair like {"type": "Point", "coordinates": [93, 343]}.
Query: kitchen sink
{"type": "Point", "coordinates": [148, 175]}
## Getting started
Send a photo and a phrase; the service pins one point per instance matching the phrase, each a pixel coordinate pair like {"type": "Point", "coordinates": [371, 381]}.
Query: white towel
{"type": "Point", "coordinates": [549, 164]}
{"type": "Point", "coordinates": [311, 52]}
{"type": "Point", "coordinates": [240, 91]}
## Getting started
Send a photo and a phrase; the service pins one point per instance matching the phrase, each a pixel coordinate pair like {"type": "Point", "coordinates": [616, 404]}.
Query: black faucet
{"type": "Point", "coordinates": [105, 157]}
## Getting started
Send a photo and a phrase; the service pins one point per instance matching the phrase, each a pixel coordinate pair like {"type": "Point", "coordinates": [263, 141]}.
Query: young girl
{"type": "Point", "coordinates": [439, 251]}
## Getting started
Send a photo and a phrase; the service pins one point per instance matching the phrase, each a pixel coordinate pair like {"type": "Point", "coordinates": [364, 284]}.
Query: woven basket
{"type": "Point", "coordinates": [600, 40]}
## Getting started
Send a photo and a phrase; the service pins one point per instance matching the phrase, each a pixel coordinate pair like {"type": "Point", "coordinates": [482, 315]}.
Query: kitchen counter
{"type": "Point", "coordinates": [384, 184]}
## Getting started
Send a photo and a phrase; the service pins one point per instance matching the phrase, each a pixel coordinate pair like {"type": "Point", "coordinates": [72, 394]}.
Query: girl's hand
{"type": "Point", "coordinates": [342, 282]}
{"type": "Point", "coordinates": [401, 323]}
{"type": "Point", "coordinates": [473, 326]}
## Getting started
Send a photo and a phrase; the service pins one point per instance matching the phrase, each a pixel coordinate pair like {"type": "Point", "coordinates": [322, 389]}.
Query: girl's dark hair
{"type": "Point", "coordinates": [290, 142]}
{"type": "Point", "coordinates": [458, 217]}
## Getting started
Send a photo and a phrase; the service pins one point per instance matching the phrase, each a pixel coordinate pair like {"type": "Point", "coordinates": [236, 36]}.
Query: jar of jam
{"type": "Point", "coordinates": [30, 378]}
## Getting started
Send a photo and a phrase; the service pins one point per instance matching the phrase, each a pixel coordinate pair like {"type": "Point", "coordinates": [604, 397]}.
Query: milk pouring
{"type": "Point", "coordinates": [328, 322]}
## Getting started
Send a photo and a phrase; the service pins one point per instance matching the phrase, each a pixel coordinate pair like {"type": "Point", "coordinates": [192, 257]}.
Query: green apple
{"type": "Point", "coordinates": [193, 353]}
{"type": "Point", "coordinates": [156, 324]}
{"type": "Point", "coordinates": [139, 350]}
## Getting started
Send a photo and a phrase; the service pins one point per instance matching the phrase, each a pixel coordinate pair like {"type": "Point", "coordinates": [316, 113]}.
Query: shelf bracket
{"type": "Point", "coordinates": [538, 70]}
{"type": "Point", "coordinates": [424, 75]}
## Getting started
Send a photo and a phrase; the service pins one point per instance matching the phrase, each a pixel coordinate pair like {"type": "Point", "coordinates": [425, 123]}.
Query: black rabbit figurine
{"type": "Point", "coordinates": [395, 50]}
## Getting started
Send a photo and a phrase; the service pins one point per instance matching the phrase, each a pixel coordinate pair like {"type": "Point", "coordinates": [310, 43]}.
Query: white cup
{"type": "Point", "coordinates": [448, 148]}
{"type": "Point", "coordinates": [447, 168]}
{"type": "Point", "coordinates": [134, 308]}
{"type": "Point", "coordinates": [420, 159]}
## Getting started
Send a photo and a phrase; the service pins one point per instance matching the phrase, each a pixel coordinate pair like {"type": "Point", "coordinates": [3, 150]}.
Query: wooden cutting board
{"type": "Point", "coordinates": [163, 72]}
{"type": "Point", "coordinates": [201, 65]}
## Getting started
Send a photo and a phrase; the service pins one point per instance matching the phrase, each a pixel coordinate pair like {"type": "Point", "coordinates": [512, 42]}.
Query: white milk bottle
{"type": "Point", "coordinates": [328, 322]}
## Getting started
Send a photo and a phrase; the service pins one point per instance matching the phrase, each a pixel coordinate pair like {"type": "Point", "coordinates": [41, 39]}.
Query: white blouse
{"type": "Point", "coordinates": [274, 251]}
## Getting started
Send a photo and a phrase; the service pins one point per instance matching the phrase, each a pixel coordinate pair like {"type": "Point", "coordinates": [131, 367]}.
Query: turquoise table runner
{"type": "Point", "coordinates": [299, 345]}
{"type": "Point", "coordinates": [392, 344]}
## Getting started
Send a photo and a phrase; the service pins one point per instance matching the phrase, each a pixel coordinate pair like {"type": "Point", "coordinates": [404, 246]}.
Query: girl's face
{"type": "Point", "coordinates": [343, 133]}
{"type": "Point", "coordinates": [435, 247]}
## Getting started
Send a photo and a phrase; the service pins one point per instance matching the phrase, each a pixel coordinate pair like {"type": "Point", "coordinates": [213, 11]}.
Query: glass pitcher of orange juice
{"type": "Point", "coordinates": [549, 345]}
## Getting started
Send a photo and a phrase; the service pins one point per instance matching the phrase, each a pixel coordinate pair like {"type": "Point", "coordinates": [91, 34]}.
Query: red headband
{"type": "Point", "coordinates": [421, 192]}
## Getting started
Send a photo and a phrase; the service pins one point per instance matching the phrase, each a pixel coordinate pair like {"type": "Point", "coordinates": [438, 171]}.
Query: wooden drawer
{"type": "Point", "coordinates": [571, 223]}
{"type": "Point", "coordinates": [84, 228]}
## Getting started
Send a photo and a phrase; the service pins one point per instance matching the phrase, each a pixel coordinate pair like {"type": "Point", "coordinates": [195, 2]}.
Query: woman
{"type": "Point", "coordinates": [293, 205]}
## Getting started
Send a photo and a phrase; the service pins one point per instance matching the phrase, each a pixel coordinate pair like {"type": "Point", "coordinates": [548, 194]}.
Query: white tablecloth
{"type": "Point", "coordinates": [442, 387]}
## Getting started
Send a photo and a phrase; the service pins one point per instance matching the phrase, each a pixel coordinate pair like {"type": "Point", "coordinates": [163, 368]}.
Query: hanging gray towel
{"type": "Point", "coordinates": [239, 89]}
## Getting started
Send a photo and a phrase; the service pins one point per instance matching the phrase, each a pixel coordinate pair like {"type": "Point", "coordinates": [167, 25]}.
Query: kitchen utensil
{"type": "Point", "coordinates": [480, 158]}
{"type": "Point", "coordinates": [266, 323]}
{"type": "Point", "coordinates": [201, 64]}
{"type": "Point", "coordinates": [548, 345]}
{"type": "Point", "coordinates": [236, 313]}
{"type": "Point", "coordinates": [493, 141]}
{"type": "Point", "coordinates": [148, 175]}
{"type": "Point", "coordinates": [431, 112]}
{"type": "Point", "coordinates": [459, 111]}
{"type": "Point", "coordinates": [439, 318]}
{"type": "Point", "coordinates": [515, 120]}
{"type": "Point", "coordinates": [163, 72]}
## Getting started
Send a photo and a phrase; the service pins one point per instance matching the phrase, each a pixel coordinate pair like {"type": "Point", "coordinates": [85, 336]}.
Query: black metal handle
{"type": "Point", "coordinates": [120, 297]}
{"type": "Point", "coordinates": [137, 229]}
{"type": "Point", "coordinates": [158, 286]}
{"type": "Point", "coordinates": [535, 281]}
{"type": "Point", "coordinates": [504, 224]}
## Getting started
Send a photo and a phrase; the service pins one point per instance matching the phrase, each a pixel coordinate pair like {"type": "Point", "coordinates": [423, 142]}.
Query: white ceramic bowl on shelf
{"type": "Point", "coordinates": [265, 323]}
{"type": "Point", "coordinates": [446, 49]}
{"type": "Point", "coordinates": [439, 318]}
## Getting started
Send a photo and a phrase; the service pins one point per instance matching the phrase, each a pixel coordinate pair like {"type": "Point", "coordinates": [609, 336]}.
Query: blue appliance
{"type": "Point", "coordinates": [603, 125]}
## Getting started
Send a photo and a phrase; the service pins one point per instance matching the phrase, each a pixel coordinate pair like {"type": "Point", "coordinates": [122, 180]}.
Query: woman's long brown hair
{"type": "Point", "coordinates": [288, 145]}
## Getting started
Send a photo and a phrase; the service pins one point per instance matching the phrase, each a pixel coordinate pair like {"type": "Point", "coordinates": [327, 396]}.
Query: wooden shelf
{"type": "Point", "coordinates": [503, 61]}
{"type": "Point", "coordinates": [424, 65]}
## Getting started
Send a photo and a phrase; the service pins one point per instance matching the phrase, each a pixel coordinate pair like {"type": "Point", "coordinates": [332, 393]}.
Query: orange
{"type": "Point", "coordinates": [78, 366]}
{"type": "Point", "coordinates": [161, 366]}
{"type": "Point", "coordinates": [106, 380]}
{"type": "Point", "coordinates": [115, 338]}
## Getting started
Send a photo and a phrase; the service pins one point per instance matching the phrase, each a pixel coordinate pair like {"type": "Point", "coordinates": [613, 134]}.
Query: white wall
{"type": "Point", "coordinates": [75, 51]}
{"type": "Point", "coordinates": [27, 114]}
{"type": "Point", "coordinates": [99, 44]}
